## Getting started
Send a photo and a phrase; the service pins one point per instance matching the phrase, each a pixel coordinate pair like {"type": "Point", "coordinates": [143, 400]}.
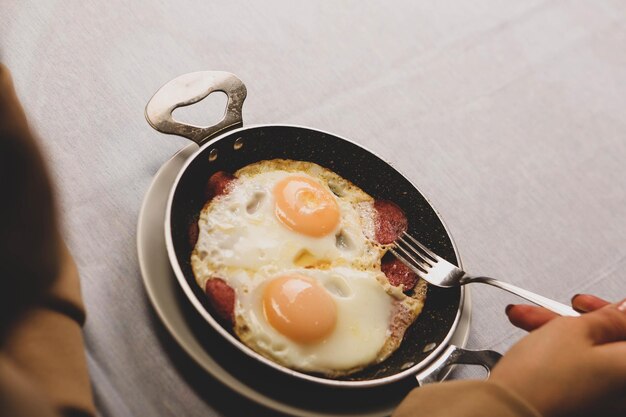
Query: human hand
{"type": "Point", "coordinates": [569, 366]}
{"type": "Point", "coordinates": [529, 317]}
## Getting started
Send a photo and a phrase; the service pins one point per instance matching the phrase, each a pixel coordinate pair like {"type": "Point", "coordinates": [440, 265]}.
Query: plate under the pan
{"type": "Point", "coordinates": [221, 360]}
{"type": "Point", "coordinates": [376, 177]}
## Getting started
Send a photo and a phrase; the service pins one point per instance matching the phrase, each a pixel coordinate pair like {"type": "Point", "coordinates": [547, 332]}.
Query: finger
{"type": "Point", "coordinates": [584, 303]}
{"type": "Point", "coordinates": [528, 317]}
{"type": "Point", "coordinates": [607, 324]}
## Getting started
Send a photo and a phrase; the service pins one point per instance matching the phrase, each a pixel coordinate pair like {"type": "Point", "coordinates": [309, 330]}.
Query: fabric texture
{"type": "Point", "coordinates": [464, 398]}
{"type": "Point", "coordinates": [508, 115]}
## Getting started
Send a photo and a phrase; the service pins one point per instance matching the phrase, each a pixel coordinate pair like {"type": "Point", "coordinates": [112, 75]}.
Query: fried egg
{"type": "Point", "coordinates": [278, 215]}
{"type": "Point", "coordinates": [296, 243]}
{"type": "Point", "coordinates": [313, 320]}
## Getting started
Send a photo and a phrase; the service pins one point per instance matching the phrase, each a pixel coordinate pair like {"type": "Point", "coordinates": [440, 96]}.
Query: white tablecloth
{"type": "Point", "coordinates": [509, 115]}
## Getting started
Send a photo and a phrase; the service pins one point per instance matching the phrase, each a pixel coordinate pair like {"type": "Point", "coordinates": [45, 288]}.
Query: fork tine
{"type": "Point", "coordinates": [415, 258]}
{"type": "Point", "coordinates": [418, 270]}
{"type": "Point", "coordinates": [415, 251]}
{"type": "Point", "coordinates": [432, 255]}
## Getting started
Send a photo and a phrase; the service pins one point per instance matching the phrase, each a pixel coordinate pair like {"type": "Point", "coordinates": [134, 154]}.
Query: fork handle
{"type": "Point", "coordinates": [540, 300]}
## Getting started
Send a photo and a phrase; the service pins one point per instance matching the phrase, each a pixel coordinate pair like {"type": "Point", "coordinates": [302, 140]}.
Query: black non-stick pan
{"type": "Point", "coordinates": [227, 146]}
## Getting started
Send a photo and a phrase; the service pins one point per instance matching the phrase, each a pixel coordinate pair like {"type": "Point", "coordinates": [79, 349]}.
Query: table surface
{"type": "Point", "coordinates": [510, 116]}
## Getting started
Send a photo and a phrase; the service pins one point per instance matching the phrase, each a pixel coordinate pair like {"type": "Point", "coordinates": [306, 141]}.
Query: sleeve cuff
{"type": "Point", "coordinates": [64, 295]}
{"type": "Point", "coordinates": [464, 399]}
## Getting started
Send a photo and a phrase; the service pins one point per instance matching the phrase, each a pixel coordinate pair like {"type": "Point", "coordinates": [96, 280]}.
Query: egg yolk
{"type": "Point", "coordinates": [299, 308]}
{"type": "Point", "coordinates": [305, 206]}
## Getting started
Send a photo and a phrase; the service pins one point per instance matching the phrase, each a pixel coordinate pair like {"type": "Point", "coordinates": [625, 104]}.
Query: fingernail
{"type": "Point", "coordinates": [510, 306]}
{"type": "Point", "coordinates": [622, 306]}
{"type": "Point", "coordinates": [575, 306]}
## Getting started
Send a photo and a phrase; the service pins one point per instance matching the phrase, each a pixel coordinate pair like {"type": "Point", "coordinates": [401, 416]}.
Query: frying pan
{"type": "Point", "coordinates": [227, 146]}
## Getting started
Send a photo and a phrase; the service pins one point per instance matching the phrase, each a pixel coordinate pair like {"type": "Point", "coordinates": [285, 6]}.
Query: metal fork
{"type": "Point", "coordinates": [441, 273]}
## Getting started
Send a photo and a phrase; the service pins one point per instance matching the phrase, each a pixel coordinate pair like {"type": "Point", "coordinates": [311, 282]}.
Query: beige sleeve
{"type": "Point", "coordinates": [47, 346]}
{"type": "Point", "coordinates": [464, 399]}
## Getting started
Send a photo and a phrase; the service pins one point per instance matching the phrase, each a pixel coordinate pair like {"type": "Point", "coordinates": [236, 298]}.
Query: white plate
{"type": "Point", "coordinates": [228, 365]}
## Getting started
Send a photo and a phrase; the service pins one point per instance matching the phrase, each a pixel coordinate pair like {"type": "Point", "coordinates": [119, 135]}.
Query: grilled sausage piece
{"type": "Point", "coordinates": [399, 274]}
{"type": "Point", "coordinates": [391, 221]}
{"type": "Point", "coordinates": [193, 232]}
{"type": "Point", "coordinates": [218, 184]}
{"type": "Point", "coordinates": [222, 298]}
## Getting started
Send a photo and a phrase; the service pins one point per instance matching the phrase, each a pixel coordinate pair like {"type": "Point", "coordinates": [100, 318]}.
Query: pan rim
{"type": "Point", "coordinates": [191, 296]}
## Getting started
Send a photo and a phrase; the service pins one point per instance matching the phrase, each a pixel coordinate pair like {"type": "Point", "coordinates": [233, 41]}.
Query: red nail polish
{"type": "Point", "coordinates": [508, 308]}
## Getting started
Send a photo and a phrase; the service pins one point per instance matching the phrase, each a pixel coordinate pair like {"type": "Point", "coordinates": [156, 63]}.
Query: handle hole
{"type": "Point", "coordinates": [207, 112]}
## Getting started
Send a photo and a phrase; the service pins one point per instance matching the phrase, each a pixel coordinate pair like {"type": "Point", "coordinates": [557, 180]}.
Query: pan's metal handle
{"type": "Point", "coordinates": [189, 89]}
{"type": "Point", "coordinates": [455, 355]}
